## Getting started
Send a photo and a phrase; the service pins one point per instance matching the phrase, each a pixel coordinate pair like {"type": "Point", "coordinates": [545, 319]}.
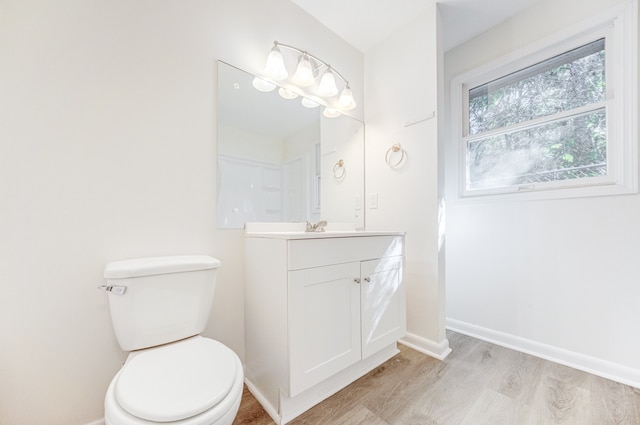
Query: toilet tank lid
{"type": "Point", "coordinates": [138, 267]}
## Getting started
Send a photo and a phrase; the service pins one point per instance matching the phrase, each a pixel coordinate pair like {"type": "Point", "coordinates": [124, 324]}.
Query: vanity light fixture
{"type": "Point", "coordinates": [303, 76]}
{"type": "Point", "coordinates": [287, 94]}
{"type": "Point", "coordinates": [261, 84]}
{"type": "Point", "coordinates": [274, 67]}
{"type": "Point", "coordinates": [309, 103]}
{"type": "Point", "coordinates": [309, 68]}
{"type": "Point", "coordinates": [327, 86]}
{"type": "Point", "coordinates": [331, 112]}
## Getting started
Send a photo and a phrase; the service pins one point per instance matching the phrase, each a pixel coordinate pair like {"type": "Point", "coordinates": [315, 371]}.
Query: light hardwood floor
{"type": "Point", "coordinates": [477, 384]}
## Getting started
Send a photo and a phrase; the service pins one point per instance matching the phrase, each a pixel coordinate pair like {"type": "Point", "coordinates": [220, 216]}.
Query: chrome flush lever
{"type": "Point", "coordinates": [118, 290]}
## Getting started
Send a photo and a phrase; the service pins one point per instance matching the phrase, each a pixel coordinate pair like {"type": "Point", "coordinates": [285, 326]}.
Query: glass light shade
{"type": "Point", "coordinates": [274, 68]}
{"type": "Point", "coordinates": [331, 113]}
{"type": "Point", "coordinates": [346, 101]}
{"type": "Point", "coordinates": [327, 86]}
{"type": "Point", "coordinates": [308, 103]}
{"type": "Point", "coordinates": [286, 94]}
{"type": "Point", "coordinates": [304, 72]}
{"type": "Point", "coordinates": [262, 85]}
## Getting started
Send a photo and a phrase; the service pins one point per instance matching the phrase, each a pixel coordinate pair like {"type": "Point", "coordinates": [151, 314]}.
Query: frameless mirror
{"type": "Point", "coordinates": [279, 161]}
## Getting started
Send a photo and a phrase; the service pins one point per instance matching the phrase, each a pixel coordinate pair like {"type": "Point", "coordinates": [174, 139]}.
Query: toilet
{"type": "Point", "coordinates": [172, 375]}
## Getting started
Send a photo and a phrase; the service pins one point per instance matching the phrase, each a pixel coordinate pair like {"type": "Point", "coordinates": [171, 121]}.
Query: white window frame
{"type": "Point", "coordinates": [619, 28]}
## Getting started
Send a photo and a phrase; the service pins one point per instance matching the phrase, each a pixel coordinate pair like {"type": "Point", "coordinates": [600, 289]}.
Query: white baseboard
{"type": "Point", "coordinates": [426, 346]}
{"type": "Point", "coordinates": [255, 391]}
{"type": "Point", "coordinates": [593, 365]}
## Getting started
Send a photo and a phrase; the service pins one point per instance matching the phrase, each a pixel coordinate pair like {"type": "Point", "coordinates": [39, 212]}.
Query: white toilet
{"type": "Point", "coordinates": [173, 375]}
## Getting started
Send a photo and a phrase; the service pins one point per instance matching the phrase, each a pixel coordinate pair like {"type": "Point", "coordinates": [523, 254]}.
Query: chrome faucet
{"type": "Point", "coordinates": [318, 227]}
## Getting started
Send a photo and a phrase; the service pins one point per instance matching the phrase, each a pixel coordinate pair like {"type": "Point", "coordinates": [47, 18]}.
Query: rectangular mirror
{"type": "Point", "coordinates": [279, 161]}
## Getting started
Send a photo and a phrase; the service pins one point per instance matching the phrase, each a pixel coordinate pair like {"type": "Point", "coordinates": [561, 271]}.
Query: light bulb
{"type": "Point", "coordinates": [274, 68]}
{"type": "Point", "coordinates": [346, 101]}
{"type": "Point", "coordinates": [262, 85]}
{"type": "Point", "coordinates": [327, 86]}
{"type": "Point", "coordinates": [304, 72]}
{"type": "Point", "coordinates": [331, 113]}
{"type": "Point", "coordinates": [286, 94]}
{"type": "Point", "coordinates": [308, 103]}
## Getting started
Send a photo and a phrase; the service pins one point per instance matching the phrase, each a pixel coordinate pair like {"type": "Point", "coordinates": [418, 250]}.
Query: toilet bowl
{"type": "Point", "coordinates": [172, 375]}
{"type": "Point", "coordinates": [197, 381]}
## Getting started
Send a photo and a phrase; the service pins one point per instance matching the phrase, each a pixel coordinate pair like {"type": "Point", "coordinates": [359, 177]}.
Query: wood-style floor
{"type": "Point", "coordinates": [477, 384]}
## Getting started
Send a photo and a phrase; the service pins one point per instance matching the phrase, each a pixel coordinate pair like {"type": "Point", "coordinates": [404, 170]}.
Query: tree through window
{"type": "Point", "coordinates": [543, 123]}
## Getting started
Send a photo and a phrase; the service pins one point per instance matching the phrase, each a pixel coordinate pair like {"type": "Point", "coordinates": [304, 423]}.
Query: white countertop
{"type": "Point", "coordinates": [297, 231]}
{"type": "Point", "coordinates": [320, 235]}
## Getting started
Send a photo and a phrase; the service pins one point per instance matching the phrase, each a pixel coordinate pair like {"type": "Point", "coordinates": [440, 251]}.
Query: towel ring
{"type": "Point", "coordinates": [394, 149]}
{"type": "Point", "coordinates": [339, 171]}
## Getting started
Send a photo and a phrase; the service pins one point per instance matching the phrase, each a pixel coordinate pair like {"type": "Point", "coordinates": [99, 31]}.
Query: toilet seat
{"type": "Point", "coordinates": [197, 381]}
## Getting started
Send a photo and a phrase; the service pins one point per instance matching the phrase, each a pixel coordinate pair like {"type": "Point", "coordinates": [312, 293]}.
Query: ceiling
{"type": "Point", "coordinates": [365, 23]}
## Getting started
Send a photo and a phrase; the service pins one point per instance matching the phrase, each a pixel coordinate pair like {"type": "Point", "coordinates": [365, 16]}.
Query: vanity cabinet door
{"type": "Point", "coordinates": [383, 304]}
{"type": "Point", "coordinates": [324, 323]}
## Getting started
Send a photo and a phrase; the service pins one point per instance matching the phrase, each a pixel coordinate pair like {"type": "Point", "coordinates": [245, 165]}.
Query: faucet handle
{"type": "Point", "coordinates": [318, 227]}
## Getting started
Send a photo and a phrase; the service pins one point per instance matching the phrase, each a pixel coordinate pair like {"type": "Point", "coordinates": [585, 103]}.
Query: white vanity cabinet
{"type": "Point", "coordinates": [321, 310]}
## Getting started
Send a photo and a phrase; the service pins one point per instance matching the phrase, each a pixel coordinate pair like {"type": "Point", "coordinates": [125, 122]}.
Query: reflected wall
{"type": "Point", "coordinates": [278, 161]}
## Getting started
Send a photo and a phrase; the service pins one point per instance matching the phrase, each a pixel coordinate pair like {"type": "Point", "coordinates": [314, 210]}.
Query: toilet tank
{"type": "Point", "coordinates": [158, 300]}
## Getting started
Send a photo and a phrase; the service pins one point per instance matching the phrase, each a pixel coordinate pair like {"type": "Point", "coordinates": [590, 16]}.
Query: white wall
{"type": "Point", "coordinates": [558, 278]}
{"type": "Point", "coordinates": [240, 143]}
{"type": "Point", "coordinates": [401, 84]}
{"type": "Point", "coordinates": [342, 139]}
{"type": "Point", "coordinates": [108, 151]}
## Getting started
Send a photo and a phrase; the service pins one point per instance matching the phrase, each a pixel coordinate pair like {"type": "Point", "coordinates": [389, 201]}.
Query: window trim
{"type": "Point", "coordinates": [618, 27]}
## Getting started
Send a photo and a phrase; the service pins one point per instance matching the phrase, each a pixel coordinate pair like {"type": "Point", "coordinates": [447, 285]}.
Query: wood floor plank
{"type": "Point", "coordinates": [359, 415]}
{"type": "Point", "coordinates": [560, 402]}
{"type": "Point", "coordinates": [459, 395]}
{"type": "Point", "coordinates": [251, 412]}
{"type": "Point", "coordinates": [477, 384]}
{"type": "Point", "coordinates": [449, 399]}
{"type": "Point", "coordinates": [404, 390]}
{"type": "Point", "coordinates": [519, 376]}
{"type": "Point", "coordinates": [614, 403]}
{"type": "Point", "coordinates": [491, 408]}
{"type": "Point", "coordinates": [635, 400]}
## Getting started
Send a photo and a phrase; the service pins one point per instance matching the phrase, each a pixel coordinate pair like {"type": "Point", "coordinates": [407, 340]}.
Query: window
{"type": "Point", "coordinates": [561, 116]}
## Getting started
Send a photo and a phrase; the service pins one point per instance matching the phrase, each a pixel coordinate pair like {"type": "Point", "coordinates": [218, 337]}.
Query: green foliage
{"type": "Point", "coordinates": [572, 147]}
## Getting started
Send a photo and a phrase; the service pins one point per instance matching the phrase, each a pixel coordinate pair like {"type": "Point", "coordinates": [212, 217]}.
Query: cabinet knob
{"type": "Point", "coordinates": [356, 279]}
{"type": "Point", "coordinates": [367, 279]}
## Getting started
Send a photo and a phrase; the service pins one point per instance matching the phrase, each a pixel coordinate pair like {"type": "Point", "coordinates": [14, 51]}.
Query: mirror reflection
{"type": "Point", "coordinates": [279, 161]}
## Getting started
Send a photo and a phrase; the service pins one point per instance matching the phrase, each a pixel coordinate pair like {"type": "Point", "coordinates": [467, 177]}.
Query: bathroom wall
{"type": "Point", "coordinates": [108, 151]}
{"type": "Point", "coordinates": [342, 139]}
{"type": "Point", "coordinates": [248, 177]}
{"type": "Point", "coordinates": [298, 175]}
{"type": "Point", "coordinates": [558, 278]}
{"type": "Point", "coordinates": [403, 93]}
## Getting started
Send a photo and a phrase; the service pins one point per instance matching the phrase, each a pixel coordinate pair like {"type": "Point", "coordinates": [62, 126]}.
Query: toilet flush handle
{"type": "Point", "coordinates": [116, 289]}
